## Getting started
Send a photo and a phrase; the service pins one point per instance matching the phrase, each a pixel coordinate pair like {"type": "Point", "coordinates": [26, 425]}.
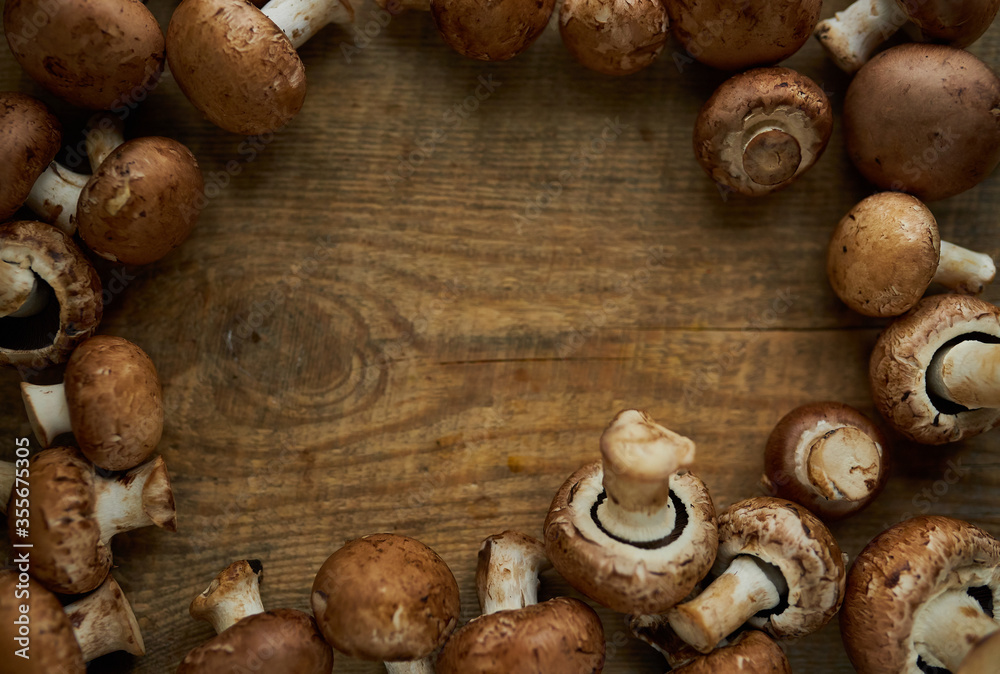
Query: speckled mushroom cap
{"type": "Point", "coordinates": [921, 118]}
{"type": "Point", "coordinates": [235, 65]}
{"type": "Point", "coordinates": [957, 23]}
{"type": "Point", "coordinates": [724, 35]}
{"type": "Point", "coordinates": [898, 368]}
{"type": "Point", "coordinates": [385, 597]}
{"type": "Point", "coordinates": [53, 644]}
{"type": "Point", "coordinates": [899, 571]}
{"type": "Point", "coordinates": [725, 132]}
{"type": "Point", "coordinates": [614, 37]}
{"type": "Point", "coordinates": [142, 201]}
{"type": "Point", "coordinates": [114, 400]}
{"type": "Point", "coordinates": [792, 539]}
{"type": "Point", "coordinates": [292, 640]}
{"type": "Point", "coordinates": [491, 30]}
{"type": "Point", "coordinates": [49, 336]}
{"type": "Point", "coordinates": [29, 140]}
{"type": "Point", "coordinates": [559, 636]}
{"type": "Point", "coordinates": [97, 54]}
{"type": "Point", "coordinates": [752, 652]}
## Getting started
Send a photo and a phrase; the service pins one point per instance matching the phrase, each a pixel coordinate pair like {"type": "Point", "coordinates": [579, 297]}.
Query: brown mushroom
{"type": "Point", "coordinates": [45, 638]}
{"type": "Point", "coordinates": [920, 595]}
{"type": "Point", "coordinates": [749, 652]}
{"type": "Point", "coordinates": [29, 139]}
{"type": "Point", "coordinates": [983, 657]}
{"type": "Point", "coordinates": [778, 569]}
{"type": "Point", "coordinates": [935, 373]}
{"type": "Point", "coordinates": [237, 64]}
{"type": "Point", "coordinates": [852, 35]}
{"type": "Point", "coordinates": [828, 457]}
{"type": "Point", "coordinates": [736, 36]}
{"type": "Point", "coordinates": [634, 531]}
{"type": "Point", "coordinates": [921, 118]}
{"type": "Point", "coordinates": [248, 638]}
{"type": "Point", "coordinates": [762, 129]}
{"type": "Point", "coordinates": [59, 303]}
{"type": "Point", "coordinates": [97, 54]}
{"type": "Point", "coordinates": [516, 634]}
{"type": "Point", "coordinates": [886, 251]}
{"type": "Point", "coordinates": [614, 37]}
{"type": "Point", "coordinates": [75, 513]}
{"type": "Point", "coordinates": [412, 612]}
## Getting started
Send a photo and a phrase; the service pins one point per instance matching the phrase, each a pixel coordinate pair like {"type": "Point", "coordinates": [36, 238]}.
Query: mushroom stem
{"type": "Point", "coordinates": [232, 596]}
{"type": "Point", "coordinates": [20, 293]}
{"type": "Point", "coordinates": [103, 622]}
{"type": "Point", "coordinates": [964, 270]}
{"type": "Point", "coordinates": [967, 373]}
{"type": "Point", "coordinates": [744, 589]}
{"type": "Point", "coordinates": [843, 463]}
{"type": "Point", "coordinates": [105, 132]}
{"type": "Point", "coordinates": [507, 571]}
{"type": "Point", "coordinates": [7, 472]}
{"type": "Point", "coordinates": [299, 20]}
{"type": "Point", "coordinates": [140, 498]}
{"type": "Point", "coordinates": [55, 194]}
{"type": "Point", "coordinates": [771, 155]}
{"type": "Point", "coordinates": [48, 411]}
{"type": "Point", "coordinates": [948, 626]}
{"type": "Point", "coordinates": [852, 35]}
{"type": "Point", "coordinates": [422, 666]}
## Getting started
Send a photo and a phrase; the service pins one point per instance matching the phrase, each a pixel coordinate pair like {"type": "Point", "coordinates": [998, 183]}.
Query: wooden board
{"type": "Point", "coordinates": [392, 317]}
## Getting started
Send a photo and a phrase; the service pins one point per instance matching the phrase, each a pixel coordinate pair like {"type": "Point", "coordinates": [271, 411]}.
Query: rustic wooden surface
{"type": "Point", "coordinates": [342, 353]}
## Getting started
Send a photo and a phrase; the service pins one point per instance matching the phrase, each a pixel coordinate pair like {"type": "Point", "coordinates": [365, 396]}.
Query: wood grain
{"type": "Point", "coordinates": [392, 317]}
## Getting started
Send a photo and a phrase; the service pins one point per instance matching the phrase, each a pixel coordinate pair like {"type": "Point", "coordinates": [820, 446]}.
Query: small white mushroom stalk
{"type": "Point", "coordinates": [21, 293]}
{"type": "Point", "coordinates": [967, 373]}
{"type": "Point", "coordinates": [772, 146]}
{"type": "Point", "coordinates": [948, 626]}
{"type": "Point", "coordinates": [7, 473]}
{"type": "Point", "coordinates": [299, 20]}
{"type": "Point", "coordinates": [232, 596]}
{"type": "Point", "coordinates": [55, 194]}
{"type": "Point", "coordinates": [852, 35]}
{"type": "Point", "coordinates": [48, 411]}
{"type": "Point", "coordinates": [105, 132]}
{"type": "Point", "coordinates": [840, 462]}
{"type": "Point", "coordinates": [141, 497]}
{"type": "Point", "coordinates": [964, 270]}
{"type": "Point", "coordinates": [103, 622]}
{"type": "Point", "coordinates": [745, 588]}
{"type": "Point", "coordinates": [508, 570]}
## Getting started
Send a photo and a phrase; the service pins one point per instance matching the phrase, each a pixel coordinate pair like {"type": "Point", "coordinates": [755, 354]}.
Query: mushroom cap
{"type": "Point", "coordinates": [235, 65]}
{"type": "Point", "coordinates": [54, 647]}
{"type": "Point", "coordinates": [29, 140]}
{"type": "Point", "coordinates": [115, 403]}
{"type": "Point", "coordinates": [286, 639]}
{"type": "Point", "coordinates": [957, 23]}
{"type": "Point", "coordinates": [142, 201]}
{"type": "Point", "coordinates": [68, 556]}
{"type": "Point", "coordinates": [643, 577]}
{"type": "Point", "coordinates": [793, 540]}
{"type": "Point", "coordinates": [883, 254]}
{"type": "Point", "coordinates": [49, 337]}
{"type": "Point", "coordinates": [385, 597]}
{"type": "Point", "coordinates": [752, 652]}
{"type": "Point", "coordinates": [559, 636]}
{"type": "Point", "coordinates": [897, 572]}
{"type": "Point", "coordinates": [724, 35]}
{"type": "Point", "coordinates": [758, 99]}
{"type": "Point", "coordinates": [898, 368]}
{"type": "Point", "coordinates": [921, 118]}
{"type": "Point", "coordinates": [614, 37]}
{"type": "Point", "coordinates": [780, 466]}
{"type": "Point", "coordinates": [488, 30]}
{"type": "Point", "coordinates": [97, 54]}
{"type": "Point", "coordinates": [983, 658]}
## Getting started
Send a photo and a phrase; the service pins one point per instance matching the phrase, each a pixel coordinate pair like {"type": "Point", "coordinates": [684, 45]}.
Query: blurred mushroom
{"type": "Point", "coordinates": [29, 139]}
{"type": "Point", "coordinates": [935, 372]}
{"type": "Point", "coordinates": [63, 639]}
{"type": "Point", "coordinates": [75, 513]}
{"type": "Point", "coordinates": [414, 610]}
{"type": "Point", "coordinates": [920, 595]}
{"type": "Point", "coordinates": [109, 399]}
{"type": "Point", "coordinates": [749, 652]}
{"type": "Point", "coordinates": [237, 64]}
{"type": "Point", "coordinates": [778, 569]}
{"type": "Point", "coordinates": [56, 291]}
{"type": "Point", "coordinates": [634, 531]}
{"type": "Point", "coordinates": [516, 634]}
{"type": "Point", "coordinates": [97, 54]}
{"type": "Point", "coordinates": [922, 119]}
{"type": "Point", "coordinates": [762, 129]}
{"type": "Point", "coordinates": [983, 657]}
{"type": "Point", "coordinates": [614, 37]}
{"type": "Point", "coordinates": [827, 457]}
{"type": "Point", "coordinates": [886, 251]}
{"type": "Point", "coordinates": [7, 473]}
{"type": "Point", "coordinates": [730, 36]}
{"type": "Point", "coordinates": [852, 35]}
{"type": "Point", "coordinates": [281, 640]}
